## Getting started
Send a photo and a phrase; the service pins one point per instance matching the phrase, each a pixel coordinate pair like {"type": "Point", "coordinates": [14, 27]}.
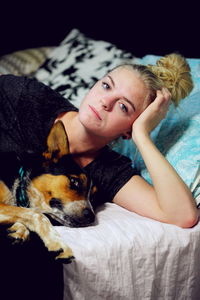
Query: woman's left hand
{"type": "Point", "coordinates": [153, 114]}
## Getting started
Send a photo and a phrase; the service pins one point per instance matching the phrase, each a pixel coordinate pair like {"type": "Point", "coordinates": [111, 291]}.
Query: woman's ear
{"type": "Point", "coordinates": [126, 135]}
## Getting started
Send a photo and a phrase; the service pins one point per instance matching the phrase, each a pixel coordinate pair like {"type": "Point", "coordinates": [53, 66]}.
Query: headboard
{"type": "Point", "coordinates": [139, 27]}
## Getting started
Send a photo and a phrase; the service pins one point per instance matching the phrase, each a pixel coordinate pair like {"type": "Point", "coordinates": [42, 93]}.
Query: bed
{"type": "Point", "coordinates": [124, 256]}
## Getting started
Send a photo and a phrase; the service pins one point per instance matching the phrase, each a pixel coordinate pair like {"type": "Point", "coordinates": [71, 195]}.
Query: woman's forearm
{"type": "Point", "coordinates": [173, 195]}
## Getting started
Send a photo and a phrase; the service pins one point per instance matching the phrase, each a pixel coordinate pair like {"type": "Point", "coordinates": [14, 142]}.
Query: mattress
{"type": "Point", "coordinates": [130, 257]}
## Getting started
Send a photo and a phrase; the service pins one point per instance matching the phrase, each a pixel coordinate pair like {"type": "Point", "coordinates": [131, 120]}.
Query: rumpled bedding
{"type": "Point", "coordinates": [125, 256]}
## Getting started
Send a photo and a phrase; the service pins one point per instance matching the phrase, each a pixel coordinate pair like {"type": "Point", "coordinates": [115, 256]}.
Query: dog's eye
{"type": "Point", "coordinates": [74, 183]}
{"type": "Point", "coordinates": [54, 202]}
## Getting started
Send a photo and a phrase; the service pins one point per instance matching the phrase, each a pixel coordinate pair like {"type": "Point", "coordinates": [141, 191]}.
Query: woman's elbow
{"type": "Point", "coordinates": [189, 221]}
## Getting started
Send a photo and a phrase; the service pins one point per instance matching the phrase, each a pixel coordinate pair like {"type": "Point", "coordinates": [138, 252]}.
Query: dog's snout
{"type": "Point", "coordinates": [85, 218]}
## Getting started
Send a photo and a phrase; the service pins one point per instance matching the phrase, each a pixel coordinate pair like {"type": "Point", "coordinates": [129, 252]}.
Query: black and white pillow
{"type": "Point", "coordinates": [78, 62]}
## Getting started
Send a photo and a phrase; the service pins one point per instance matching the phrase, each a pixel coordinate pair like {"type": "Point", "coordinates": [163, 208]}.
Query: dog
{"type": "Point", "coordinates": [34, 188]}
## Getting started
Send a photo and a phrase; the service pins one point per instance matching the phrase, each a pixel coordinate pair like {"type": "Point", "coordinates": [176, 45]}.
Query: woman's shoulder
{"type": "Point", "coordinates": [8, 82]}
{"type": "Point", "coordinates": [109, 172]}
{"type": "Point", "coordinates": [10, 79]}
{"type": "Point", "coordinates": [24, 84]}
{"type": "Point", "coordinates": [15, 86]}
{"type": "Point", "coordinates": [30, 91]}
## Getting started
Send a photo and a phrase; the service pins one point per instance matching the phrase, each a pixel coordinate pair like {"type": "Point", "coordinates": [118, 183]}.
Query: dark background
{"type": "Point", "coordinates": [138, 26]}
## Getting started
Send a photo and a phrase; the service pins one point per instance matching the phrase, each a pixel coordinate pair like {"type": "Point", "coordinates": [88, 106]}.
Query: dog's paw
{"type": "Point", "coordinates": [61, 252]}
{"type": "Point", "coordinates": [18, 233]}
{"type": "Point", "coordinates": [65, 256]}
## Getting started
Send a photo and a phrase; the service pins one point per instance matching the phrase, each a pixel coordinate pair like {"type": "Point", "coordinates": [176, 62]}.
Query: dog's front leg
{"type": "Point", "coordinates": [50, 236]}
{"type": "Point", "coordinates": [38, 223]}
{"type": "Point", "coordinates": [18, 232]}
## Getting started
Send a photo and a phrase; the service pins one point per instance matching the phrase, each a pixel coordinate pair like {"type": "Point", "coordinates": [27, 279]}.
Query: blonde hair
{"type": "Point", "coordinates": [171, 71]}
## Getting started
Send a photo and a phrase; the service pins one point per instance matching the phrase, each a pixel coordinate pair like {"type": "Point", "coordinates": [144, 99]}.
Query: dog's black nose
{"type": "Point", "coordinates": [88, 214]}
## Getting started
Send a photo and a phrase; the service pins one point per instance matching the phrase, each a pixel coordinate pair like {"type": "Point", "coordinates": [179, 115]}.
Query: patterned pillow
{"type": "Point", "coordinates": [78, 62]}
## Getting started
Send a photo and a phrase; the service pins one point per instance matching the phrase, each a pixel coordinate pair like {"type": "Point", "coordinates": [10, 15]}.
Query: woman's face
{"type": "Point", "coordinates": [113, 103]}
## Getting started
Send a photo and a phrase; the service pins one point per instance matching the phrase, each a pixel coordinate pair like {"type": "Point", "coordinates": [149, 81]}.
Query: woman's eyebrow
{"type": "Point", "coordinates": [131, 104]}
{"type": "Point", "coordinates": [127, 100]}
{"type": "Point", "coordinates": [113, 83]}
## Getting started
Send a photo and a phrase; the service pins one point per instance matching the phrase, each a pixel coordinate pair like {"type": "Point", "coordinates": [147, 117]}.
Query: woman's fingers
{"type": "Point", "coordinates": [154, 113]}
{"type": "Point", "coordinates": [163, 97]}
{"type": "Point", "coordinates": [162, 101]}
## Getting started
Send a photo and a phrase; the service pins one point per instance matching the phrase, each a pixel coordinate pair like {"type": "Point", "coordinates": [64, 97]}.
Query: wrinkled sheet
{"type": "Point", "coordinates": [127, 256]}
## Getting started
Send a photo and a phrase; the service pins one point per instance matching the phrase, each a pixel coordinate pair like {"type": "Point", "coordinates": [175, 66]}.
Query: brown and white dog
{"type": "Point", "coordinates": [49, 184]}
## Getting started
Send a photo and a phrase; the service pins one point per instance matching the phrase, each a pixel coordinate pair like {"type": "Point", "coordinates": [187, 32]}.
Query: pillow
{"type": "Point", "coordinates": [24, 62]}
{"type": "Point", "coordinates": [78, 62]}
{"type": "Point", "coordinates": [75, 65]}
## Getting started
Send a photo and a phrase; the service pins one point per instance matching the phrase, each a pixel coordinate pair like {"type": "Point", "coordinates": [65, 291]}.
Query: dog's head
{"type": "Point", "coordinates": [59, 187]}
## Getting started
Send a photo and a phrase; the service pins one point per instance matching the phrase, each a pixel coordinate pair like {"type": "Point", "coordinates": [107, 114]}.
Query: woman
{"type": "Point", "coordinates": [129, 101]}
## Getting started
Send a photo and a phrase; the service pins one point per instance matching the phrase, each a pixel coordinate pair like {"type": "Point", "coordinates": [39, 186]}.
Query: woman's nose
{"type": "Point", "coordinates": [107, 103]}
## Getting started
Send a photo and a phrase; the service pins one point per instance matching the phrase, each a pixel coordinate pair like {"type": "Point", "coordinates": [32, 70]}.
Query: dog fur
{"type": "Point", "coordinates": [55, 186]}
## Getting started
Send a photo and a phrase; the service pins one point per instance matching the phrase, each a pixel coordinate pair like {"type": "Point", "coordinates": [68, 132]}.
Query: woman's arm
{"type": "Point", "coordinates": [169, 199]}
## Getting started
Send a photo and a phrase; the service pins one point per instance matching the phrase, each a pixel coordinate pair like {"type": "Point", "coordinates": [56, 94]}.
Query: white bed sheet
{"type": "Point", "coordinates": [126, 256]}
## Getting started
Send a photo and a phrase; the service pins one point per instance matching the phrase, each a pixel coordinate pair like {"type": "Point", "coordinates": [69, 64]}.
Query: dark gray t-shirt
{"type": "Point", "coordinates": [28, 109]}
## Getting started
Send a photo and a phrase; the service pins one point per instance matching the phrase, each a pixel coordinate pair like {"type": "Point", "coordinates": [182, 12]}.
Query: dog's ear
{"type": "Point", "coordinates": [57, 142]}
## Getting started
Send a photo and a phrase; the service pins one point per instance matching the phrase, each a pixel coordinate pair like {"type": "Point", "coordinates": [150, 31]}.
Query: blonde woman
{"type": "Point", "coordinates": [129, 101]}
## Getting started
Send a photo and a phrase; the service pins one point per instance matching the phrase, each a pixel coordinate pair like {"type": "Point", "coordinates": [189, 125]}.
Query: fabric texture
{"type": "Point", "coordinates": [125, 256]}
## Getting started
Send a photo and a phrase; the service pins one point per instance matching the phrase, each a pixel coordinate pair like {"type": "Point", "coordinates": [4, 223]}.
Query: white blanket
{"type": "Point", "coordinates": [128, 257]}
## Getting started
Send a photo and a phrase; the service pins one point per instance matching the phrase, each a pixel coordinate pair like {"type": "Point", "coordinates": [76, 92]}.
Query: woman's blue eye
{"type": "Point", "coordinates": [105, 85]}
{"type": "Point", "coordinates": [123, 107]}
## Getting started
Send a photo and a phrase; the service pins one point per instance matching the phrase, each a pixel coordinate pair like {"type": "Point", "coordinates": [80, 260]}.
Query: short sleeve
{"type": "Point", "coordinates": [110, 172]}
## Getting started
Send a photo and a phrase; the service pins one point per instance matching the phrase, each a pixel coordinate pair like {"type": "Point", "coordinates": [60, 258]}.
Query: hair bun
{"type": "Point", "coordinates": [174, 72]}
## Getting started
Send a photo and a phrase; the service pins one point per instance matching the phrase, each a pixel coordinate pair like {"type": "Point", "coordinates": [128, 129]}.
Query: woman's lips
{"type": "Point", "coordinates": [95, 112]}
